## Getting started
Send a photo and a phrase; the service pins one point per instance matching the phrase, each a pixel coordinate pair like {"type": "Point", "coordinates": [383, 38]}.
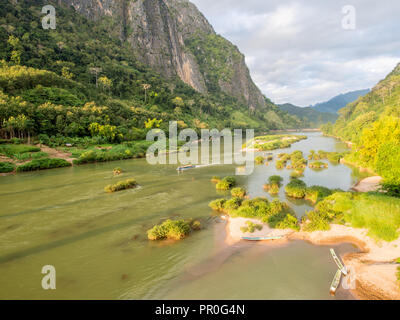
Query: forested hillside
{"type": "Point", "coordinates": [310, 117]}
{"type": "Point", "coordinates": [340, 101]}
{"type": "Point", "coordinates": [66, 81]}
{"type": "Point", "coordinates": [372, 124]}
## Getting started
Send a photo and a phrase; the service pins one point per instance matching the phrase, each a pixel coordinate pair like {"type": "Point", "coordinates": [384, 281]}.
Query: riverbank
{"type": "Point", "coordinates": [368, 184]}
{"type": "Point", "coordinates": [373, 268]}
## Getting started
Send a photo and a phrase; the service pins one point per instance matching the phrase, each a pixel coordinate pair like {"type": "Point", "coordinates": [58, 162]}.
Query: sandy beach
{"type": "Point", "coordinates": [368, 184]}
{"type": "Point", "coordinates": [373, 269]}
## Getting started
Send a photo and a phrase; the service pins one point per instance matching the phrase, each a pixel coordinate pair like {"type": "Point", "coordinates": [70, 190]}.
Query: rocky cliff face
{"type": "Point", "coordinates": [174, 38]}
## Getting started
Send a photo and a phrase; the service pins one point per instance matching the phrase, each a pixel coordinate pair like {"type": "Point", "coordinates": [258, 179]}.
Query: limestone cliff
{"type": "Point", "coordinates": [174, 38]}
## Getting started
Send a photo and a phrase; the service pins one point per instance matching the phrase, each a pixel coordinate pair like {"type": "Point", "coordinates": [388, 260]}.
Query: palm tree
{"type": "Point", "coordinates": [95, 71]}
{"type": "Point", "coordinates": [146, 87]}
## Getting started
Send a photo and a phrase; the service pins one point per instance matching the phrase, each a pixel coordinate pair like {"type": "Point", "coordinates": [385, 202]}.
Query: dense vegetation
{"type": "Point", "coordinates": [272, 142]}
{"type": "Point", "coordinates": [311, 118]}
{"type": "Point", "coordinates": [42, 164]}
{"type": "Point", "coordinates": [277, 214]}
{"type": "Point", "coordinates": [376, 212]}
{"type": "Point", "coordinates": [372, 124]}
{"type": "Point", "coordinates": [81, 80]}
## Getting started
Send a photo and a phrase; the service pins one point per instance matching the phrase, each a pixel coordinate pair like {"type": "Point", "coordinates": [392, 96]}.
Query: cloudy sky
{"type": "Point", "coordinates": [298, 51]}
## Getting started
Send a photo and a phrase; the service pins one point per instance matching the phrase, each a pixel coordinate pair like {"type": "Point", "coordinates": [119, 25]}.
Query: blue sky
{"type": "Point", "coordinates": [298, 52]}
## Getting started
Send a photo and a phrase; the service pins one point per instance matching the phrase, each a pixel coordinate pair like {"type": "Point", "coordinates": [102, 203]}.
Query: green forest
{"type": "Point", "coordinates": [372, 125]}
{"type": "Point", "coordinates": [80, 82]}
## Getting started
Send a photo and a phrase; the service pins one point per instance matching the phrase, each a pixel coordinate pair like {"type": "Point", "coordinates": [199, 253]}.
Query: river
{"type": "Point", "coordinates": [98, 246]}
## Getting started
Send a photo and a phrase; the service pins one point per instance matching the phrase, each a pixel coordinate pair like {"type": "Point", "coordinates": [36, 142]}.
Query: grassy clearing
{"type": "Point", "coordinates": [16, 150]}
{"type": "Point", "coordinates": [42, 164]}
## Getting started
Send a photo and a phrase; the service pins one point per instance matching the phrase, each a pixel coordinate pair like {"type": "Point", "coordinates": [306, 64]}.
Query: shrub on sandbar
{"type": "Point", "coordinates": [238, 192]}
{"type": "Point", "coordinates": [217, 205]}
{"type": "Point", "coordinates": [121, 185]}
{"type": "Point", "coordinates": [259, 160]}
{"type": "Point", "coordinates": [296, 189]}
{"type": "Point", "coordinates": [317, 193]}
{"type": "Point", "coordinates": [170, 229]}
{"type": "Point", "coordinates": [226, 183]}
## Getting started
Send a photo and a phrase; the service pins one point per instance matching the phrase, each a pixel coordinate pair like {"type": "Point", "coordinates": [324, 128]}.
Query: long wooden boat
{"type": "Point", "coordinates": [190, 166]}
{"type": "Point", "coordinates": [341, 267]}
{"type": "Point", "coordinates": [335, 282]}
{"type": "Point", "coordinates": [261, 238]}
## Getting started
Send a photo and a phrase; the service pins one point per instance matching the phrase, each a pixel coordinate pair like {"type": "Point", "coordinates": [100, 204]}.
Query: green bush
{"type": "Point", "coordinates": [170, 229]}
{"type": "Point", "coordinates": [117, 152]}
{"type": "Point", "coordinates": [222, 185]}
{"type": "Point", "coordinates": [280, 164]}
{"type": "Point", "coordinates": [297, 160]}
{"type": "Point", "coordinates": [273, 185]}
{"type": "Point", "coordinates": [296, 189]}
{"type": "Point", "coordinates": [317, 193]}
{"type": "Point", "coordinates": [391, 189]}
{"type": "Point", "coordinates": [317, 221]}
{"type": "Point", "coordinates": [121, 185]}
{"type": "Point", "coordinates": [259, 160]}
{"type": "Point", "coordinates": [196, 225]}
{"type": "Point", "coordinates": [226, 183]}
{"type": "Point", "coordinates": [41, 164]}
{"type": "Point", "coordinates": [296, 174]}
{"type": "Point", "coordinates": [217, 205]}
{"type": "Point", "coordinates": [238, 192]}
{"type": "Point", "coordinates": [284, 221]}
{"type": "Point", "coordinates": [251, 227]}
{"type": "Point", "coordinates": [273, 189]}
{"type": "Point", "coordinates": [275, 180]}
{"type": "Point", "coordinates": [318, 165]}
{"type": "Point", "coordinates": [6, 167]}
{"type": "Point", "coordinates": [232, 204]}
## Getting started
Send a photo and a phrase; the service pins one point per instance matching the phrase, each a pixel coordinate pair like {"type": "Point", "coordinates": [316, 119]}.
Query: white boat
{"type": "Point", "coordinates": [341, 267]}
{"type": "Point", "coordinates": [335, 282]}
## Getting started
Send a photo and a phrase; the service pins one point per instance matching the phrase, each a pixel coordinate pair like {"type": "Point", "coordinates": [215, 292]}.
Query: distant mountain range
{"type": "Point", "coordinates": [308, 115]}
{"type": "Point", "coordinates": [336, 103]}
{"type": "Point", "coordinates": [323, 112]}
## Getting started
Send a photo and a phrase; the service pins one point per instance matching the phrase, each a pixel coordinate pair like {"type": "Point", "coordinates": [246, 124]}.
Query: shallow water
{"type": "Point", "coordinates": [97, 242]}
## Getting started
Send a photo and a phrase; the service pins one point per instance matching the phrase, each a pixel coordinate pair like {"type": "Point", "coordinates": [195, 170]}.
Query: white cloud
{"type": "Point", "coordinates": [298, 52]}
